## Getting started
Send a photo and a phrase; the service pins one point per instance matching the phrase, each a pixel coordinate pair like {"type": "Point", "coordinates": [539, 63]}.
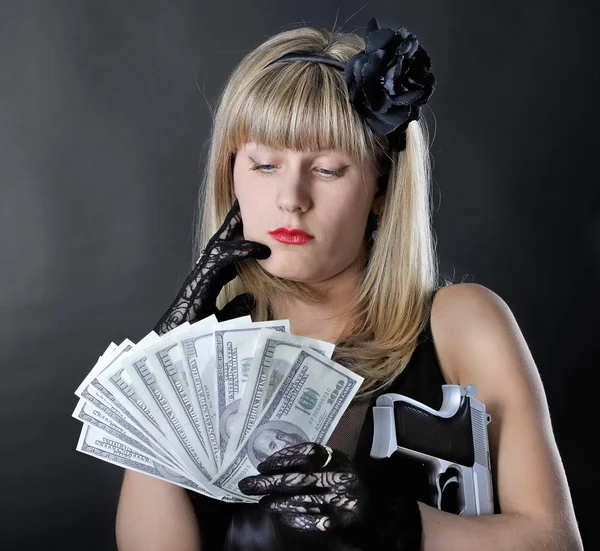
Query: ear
{"type": "Point", "coordinates": [377, 204]}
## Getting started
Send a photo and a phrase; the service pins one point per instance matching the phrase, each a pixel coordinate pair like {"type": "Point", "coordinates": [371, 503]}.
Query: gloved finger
{"type": "Point", "coordinates": [180, 309]}
{"type": "Point", "coordinates": [306, 503]}
{"type": "Point", "coordinates": [317, 521]}
{"type": "Point", "coordinates": [308, 522]}
{"type": "Point", "coordinates": [244, 248]}
{"type": "Point", "coordinates": [305, 457]}
{"type": "Point", "coordinates": [232, 223]}
{"type": "Point", "coordinates": [331, 503]}
{"type": "Point", "coordinates": [233, 251]}
{"type": "Point", "coordinates": [297, 483]}
{"type": "Point", "coordinates": [287, 483]}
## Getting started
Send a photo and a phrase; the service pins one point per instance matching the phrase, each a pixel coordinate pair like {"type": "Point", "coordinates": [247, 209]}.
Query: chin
{"type": "Point", "coordinates": [285, 271]}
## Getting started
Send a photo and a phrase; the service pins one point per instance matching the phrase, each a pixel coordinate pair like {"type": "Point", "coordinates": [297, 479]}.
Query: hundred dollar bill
{"type": "Point", "coordinates": [98, 394]}
{"type": "Point", "coordinates": [306, 406]}
{"type": "Point", "coordinates": [112, 353]}
{"type": "Point", "coordinates": [110, 349]}
{"type": "Point", "coordinates": [88, 414]}
{"type": "Point", "coordinates": [96, 443]}
{"type": "Point", "coordinates": [279, 369]}
{"type": "Point", "coordinates": [274, 356]}
{"type": "Point", "coordinates": [103, 361]}
{"type": "Point", "coordinates": [150, 386]}
{"type": "Point", "coordinates": [234, 349]}
{"type": "Point", "coordinates": [197, 349]}
{"type": "Point", "coordinates": [164, 359]}
{"type": "Point", "coordinates": [105, 381]}
{"type": "Point", "coordinates": [116, 386]}
{"type": "Point", "coordinates": [112, 416]}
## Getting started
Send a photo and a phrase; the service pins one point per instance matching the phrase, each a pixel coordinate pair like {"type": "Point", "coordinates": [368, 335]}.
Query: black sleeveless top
{"type": "Point", "coordinates": [252, 528]}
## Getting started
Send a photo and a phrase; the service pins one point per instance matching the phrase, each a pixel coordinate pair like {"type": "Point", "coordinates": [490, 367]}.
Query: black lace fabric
{"type": "Point", "coordinates": [347, 432]}
{"type": "Point", "coordinates": [214, 269]}
{"type": "Point", "coordinates": [311, 487]}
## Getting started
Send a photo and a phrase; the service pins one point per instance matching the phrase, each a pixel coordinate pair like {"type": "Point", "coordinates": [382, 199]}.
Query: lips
{"type": "Point", "coordinates": [293, 236]}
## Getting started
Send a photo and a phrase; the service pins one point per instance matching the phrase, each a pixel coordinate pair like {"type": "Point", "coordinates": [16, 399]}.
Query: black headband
{"type": "Point", "coordinates": [388, 82]}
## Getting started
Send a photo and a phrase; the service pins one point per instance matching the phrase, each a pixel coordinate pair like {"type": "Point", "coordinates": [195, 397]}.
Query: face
{"type": "Point", "coordinates": [270, 441]}
{"type": "Point", "coordinates": [326, 194]}
{"type": "Point", "coordinates": [267, 443]}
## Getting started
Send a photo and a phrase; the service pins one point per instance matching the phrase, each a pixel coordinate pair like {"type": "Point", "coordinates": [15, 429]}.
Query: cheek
{"type": "Point", "coordinates": [253, 207]}
{"type": "Point", "coordinates": [242, 186]}
{"type": "Point", "coordinates": [347, 224]}
{"type": "Point", "coordinates": [250, 202]}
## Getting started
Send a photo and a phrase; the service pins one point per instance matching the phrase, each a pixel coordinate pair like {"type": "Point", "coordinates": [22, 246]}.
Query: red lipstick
{"type": "Point", "coordinates": [291, 236]}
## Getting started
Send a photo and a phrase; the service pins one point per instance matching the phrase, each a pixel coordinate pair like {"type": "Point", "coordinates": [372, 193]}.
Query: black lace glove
{"type": "Point", "coordinates": [314, 488]}
{"type": "Point", "coordinates": [214, 269]}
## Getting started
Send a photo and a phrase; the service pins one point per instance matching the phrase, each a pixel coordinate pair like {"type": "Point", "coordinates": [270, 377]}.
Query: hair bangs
{"type": "Point", "coordinates": [302, 106]}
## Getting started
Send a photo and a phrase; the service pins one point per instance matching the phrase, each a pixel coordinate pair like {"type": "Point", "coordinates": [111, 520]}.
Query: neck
{"type": "Point", "coordinates": [328, 319]}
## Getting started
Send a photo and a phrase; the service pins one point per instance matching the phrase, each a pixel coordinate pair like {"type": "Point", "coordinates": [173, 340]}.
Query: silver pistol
{"type": "Point", "coordinates": [452, 443]}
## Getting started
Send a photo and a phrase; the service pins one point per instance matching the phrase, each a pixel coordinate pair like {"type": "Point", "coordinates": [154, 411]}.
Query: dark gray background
{"type": "Point", "coordinates": [104, 118]}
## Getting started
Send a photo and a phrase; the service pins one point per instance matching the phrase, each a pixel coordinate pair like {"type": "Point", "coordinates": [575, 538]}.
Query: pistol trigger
{"type": "Point", "coordinates": [450, 481]}
{"type": "Point", "coordinates": [439, 492]}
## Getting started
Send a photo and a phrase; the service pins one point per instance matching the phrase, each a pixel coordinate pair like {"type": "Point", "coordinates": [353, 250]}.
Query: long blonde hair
{"type": "Point", "coordinates": [304, 105]}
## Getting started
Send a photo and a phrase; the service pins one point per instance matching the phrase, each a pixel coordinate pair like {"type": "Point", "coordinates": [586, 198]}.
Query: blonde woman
{"type": "Point", "coordinates": [316, 203]}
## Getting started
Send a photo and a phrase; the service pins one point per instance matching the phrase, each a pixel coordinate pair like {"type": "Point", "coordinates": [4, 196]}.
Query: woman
{"type": "Point", "coordinates": [320, 132]}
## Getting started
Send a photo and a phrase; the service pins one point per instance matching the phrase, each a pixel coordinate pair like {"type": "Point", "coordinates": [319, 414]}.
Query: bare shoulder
{"type": "Point", "coordinates": [470, 323]}
{"type": "Point", "coordinates": [479, 342]}
{"type": "Point", "coordinates": [454, 310]}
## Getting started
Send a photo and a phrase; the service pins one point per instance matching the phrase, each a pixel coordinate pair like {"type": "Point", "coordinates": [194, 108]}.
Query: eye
{"type": "Point", "coordinates": [261, 168]}
{"type": "Point", "coordinates": [333, 174]}
{"type": "Point", "coordinates": [328, 174]}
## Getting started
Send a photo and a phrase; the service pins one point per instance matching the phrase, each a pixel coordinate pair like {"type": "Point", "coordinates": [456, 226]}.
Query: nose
{"type": "Point", "coordinates": [278, 445]}
{"type": "Point", "coordinates": [293, 191]}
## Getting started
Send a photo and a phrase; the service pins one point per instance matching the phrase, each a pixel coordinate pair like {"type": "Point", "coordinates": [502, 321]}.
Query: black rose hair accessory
{"type": "Point", "coordinates": [388, 82]}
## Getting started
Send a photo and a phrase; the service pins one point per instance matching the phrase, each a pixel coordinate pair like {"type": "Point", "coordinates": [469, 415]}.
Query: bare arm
{"type": "Point", "coordinates": [486, 348]}
{"type": "Point", "coordinates": [154, 515]}
{"type": "Point", "coordinates": [500, 532]}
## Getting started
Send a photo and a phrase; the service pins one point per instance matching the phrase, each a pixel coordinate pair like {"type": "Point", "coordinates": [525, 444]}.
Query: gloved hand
{"type": "Point", "coordinates": [214, 269]}
{"type": "Point", "coordinates": [314, 488]}
{"type": "Point", "coordinates": [311, 486]}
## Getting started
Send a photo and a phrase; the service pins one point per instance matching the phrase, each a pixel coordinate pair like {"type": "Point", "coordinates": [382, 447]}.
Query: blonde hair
{"type": "Point", "coordinates": [304, 105]}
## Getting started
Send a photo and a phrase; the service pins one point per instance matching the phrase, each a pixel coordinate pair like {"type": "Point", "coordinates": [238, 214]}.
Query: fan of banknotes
{"type": "Point", "coordinates": [202, 405]}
